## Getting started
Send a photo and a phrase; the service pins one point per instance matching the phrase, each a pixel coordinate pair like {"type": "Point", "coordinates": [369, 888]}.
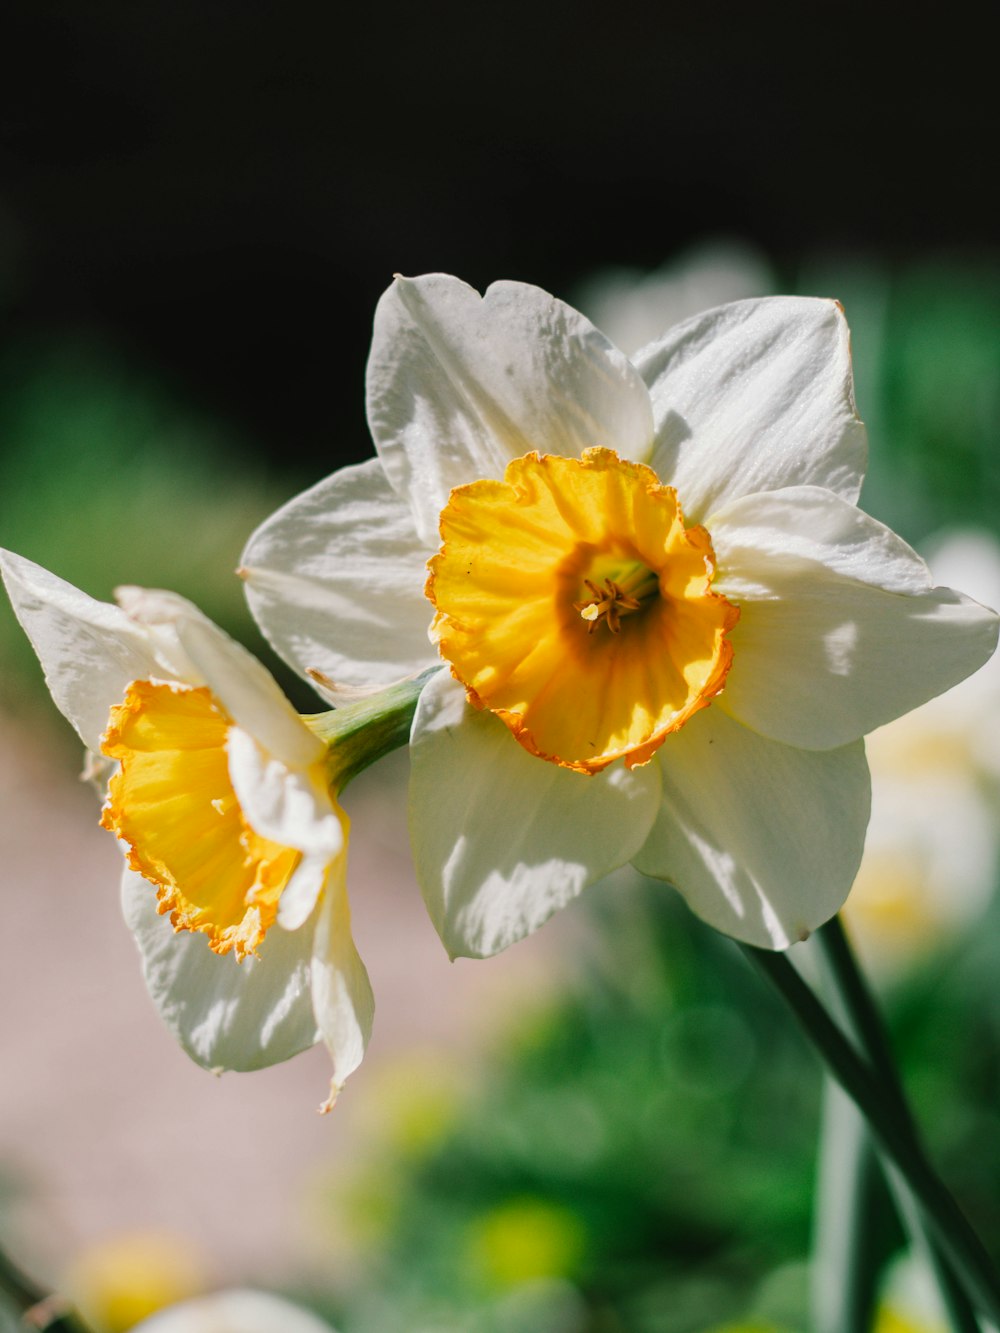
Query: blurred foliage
{"type": "Point", "coordinates": [646, 1144]}
{"type": "Point", "coordinates": [926, 346]}
{"type": "Point", "coordinates": [639, 1157]}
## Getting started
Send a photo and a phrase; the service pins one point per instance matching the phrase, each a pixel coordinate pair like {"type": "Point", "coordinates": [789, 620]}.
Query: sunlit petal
{"type": "Point", "coordinates": [226, 1015]}
{"type": "Point", "coordinates": [762, 839]}
{"type": "Point", "coordinates": [459, 384]}
{"type": "Point", "coordinates": [501, 840]}
{"type": "Point", "coordinates": [342, 995]}
{"type": "Point", "coordinates": [202, 652]}
{"type": "Point", "coordinates": [89, 650]}
{"type": "Point", "coordinates": [840, 628]}
{"type": "Point", "coordinates": [335, 580]}
{"type": "Point", "coordinates": [754, 396]}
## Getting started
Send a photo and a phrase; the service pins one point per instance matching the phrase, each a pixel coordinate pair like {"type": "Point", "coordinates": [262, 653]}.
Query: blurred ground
{"type": "Point", "coordinates": [106, 1125]}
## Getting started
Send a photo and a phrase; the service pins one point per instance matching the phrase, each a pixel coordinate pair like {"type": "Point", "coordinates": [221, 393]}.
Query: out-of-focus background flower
{"type": "Point", "coordinates": [610, 1128]}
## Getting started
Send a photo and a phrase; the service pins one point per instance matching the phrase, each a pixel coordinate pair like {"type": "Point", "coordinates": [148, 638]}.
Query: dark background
{"type": "Point", "coordinates": [223, 190]}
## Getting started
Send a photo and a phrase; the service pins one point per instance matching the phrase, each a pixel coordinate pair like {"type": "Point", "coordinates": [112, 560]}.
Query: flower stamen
{"type": "Point", "coordinates": [617, 598]}
{"type": "Point", "coordinates": [608, 604]}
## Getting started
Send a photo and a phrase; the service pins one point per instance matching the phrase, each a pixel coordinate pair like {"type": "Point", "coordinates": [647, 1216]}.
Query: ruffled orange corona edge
{"type": "Point", "coordinates": [172, 802]}
{"type": "Point", "coordinates": [571, 600]}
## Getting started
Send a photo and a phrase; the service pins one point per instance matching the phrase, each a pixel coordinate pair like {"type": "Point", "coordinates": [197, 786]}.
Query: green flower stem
{"type": "Point", "coordinates": [856, 1007]}
{"type": "Point", "coordinates": [39, 1309]}
{"type": "Point", "coordinates": [891, 1130]}
{"type": "Point", "coordinates": [359, 733]}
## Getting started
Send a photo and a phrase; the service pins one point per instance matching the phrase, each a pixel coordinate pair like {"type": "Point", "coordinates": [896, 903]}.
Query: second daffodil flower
{"type": "Point", "coordinates": [667, 624]}
{"type": "Point", "coordinates": [236, 850]}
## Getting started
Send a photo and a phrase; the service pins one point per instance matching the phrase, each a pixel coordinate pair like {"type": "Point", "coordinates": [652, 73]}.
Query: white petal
{"type": "Point", "coordinates": [335, 579]}
{"type": "Point", "coordinates": [969, 559]}
{"type": "Point", "coordinates": [763, 840]}
{"type": "Point", "coordinates": [754, 396]}
{"type": "Point", "coordinates": [459, 385]}
{"type": "Point", "coordinates": [89, 650]}
{"type": "Point", "coordinates": [342, 994]}
{"type": "Point", "coordinates": [301, 894]}
{"type": "Point", "coordinates": [290, 806]}
{"type": "Point", "coordinates": [501, 839]}
{"type": "Point", "coordinates": [226, 1015]}
{"type": "Point", "coordinates": [237, 1311]}
{"type": "Point", "coordinates": [207, 655]}
{"type": "Point", "coordinates": [822, 655]}
{"type": "Point", "coordinates": [968, 715]}
{"type": "Point", "coordinates": [802, 526]}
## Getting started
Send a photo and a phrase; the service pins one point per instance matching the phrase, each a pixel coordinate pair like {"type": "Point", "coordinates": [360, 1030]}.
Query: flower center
{"type": "Point", "coordinates": [172, 801]}
{"type": "Point", "coordinates": [616, 598]}
{"type": "Point", "coordinates": [572, 601]}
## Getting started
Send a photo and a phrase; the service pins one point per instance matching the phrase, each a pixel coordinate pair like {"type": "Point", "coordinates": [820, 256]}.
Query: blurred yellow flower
{"type": "Point", "coordinates": [526, 1239]}
{"type": "Point", "coordinates": [126, 1278]}
{"type": "Point", "coordinates": [910, 1300]}
{"type": "Point", "coordinates": [890, 1321]}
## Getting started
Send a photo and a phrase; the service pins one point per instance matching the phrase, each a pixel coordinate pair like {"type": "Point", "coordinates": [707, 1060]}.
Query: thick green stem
{"type": "Point", "coordinates": [855, 1006]}
{"type": "Point", "coordinates": [890, 1127]}
{"type": "Point", "coordinates": [359, 733]}
{"type": "Point", "coordinates": [39, 1310]}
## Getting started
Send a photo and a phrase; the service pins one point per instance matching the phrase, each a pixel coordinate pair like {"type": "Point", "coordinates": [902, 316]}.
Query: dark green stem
{"type": "Point", "coordinates": [861, 1018]}
{"type": "Point", "coordinates": [891, 1129]}
{"type": "Point", "coordinates": [857, 1007]}
{"type": "Point", "coordinates": [39, 1310]}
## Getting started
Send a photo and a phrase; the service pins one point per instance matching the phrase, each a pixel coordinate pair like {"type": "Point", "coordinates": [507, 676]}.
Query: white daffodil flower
{"type": "Point", "coordinates": [236, 852]}
{"type": "Point", "coordinates": [667, 623]}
